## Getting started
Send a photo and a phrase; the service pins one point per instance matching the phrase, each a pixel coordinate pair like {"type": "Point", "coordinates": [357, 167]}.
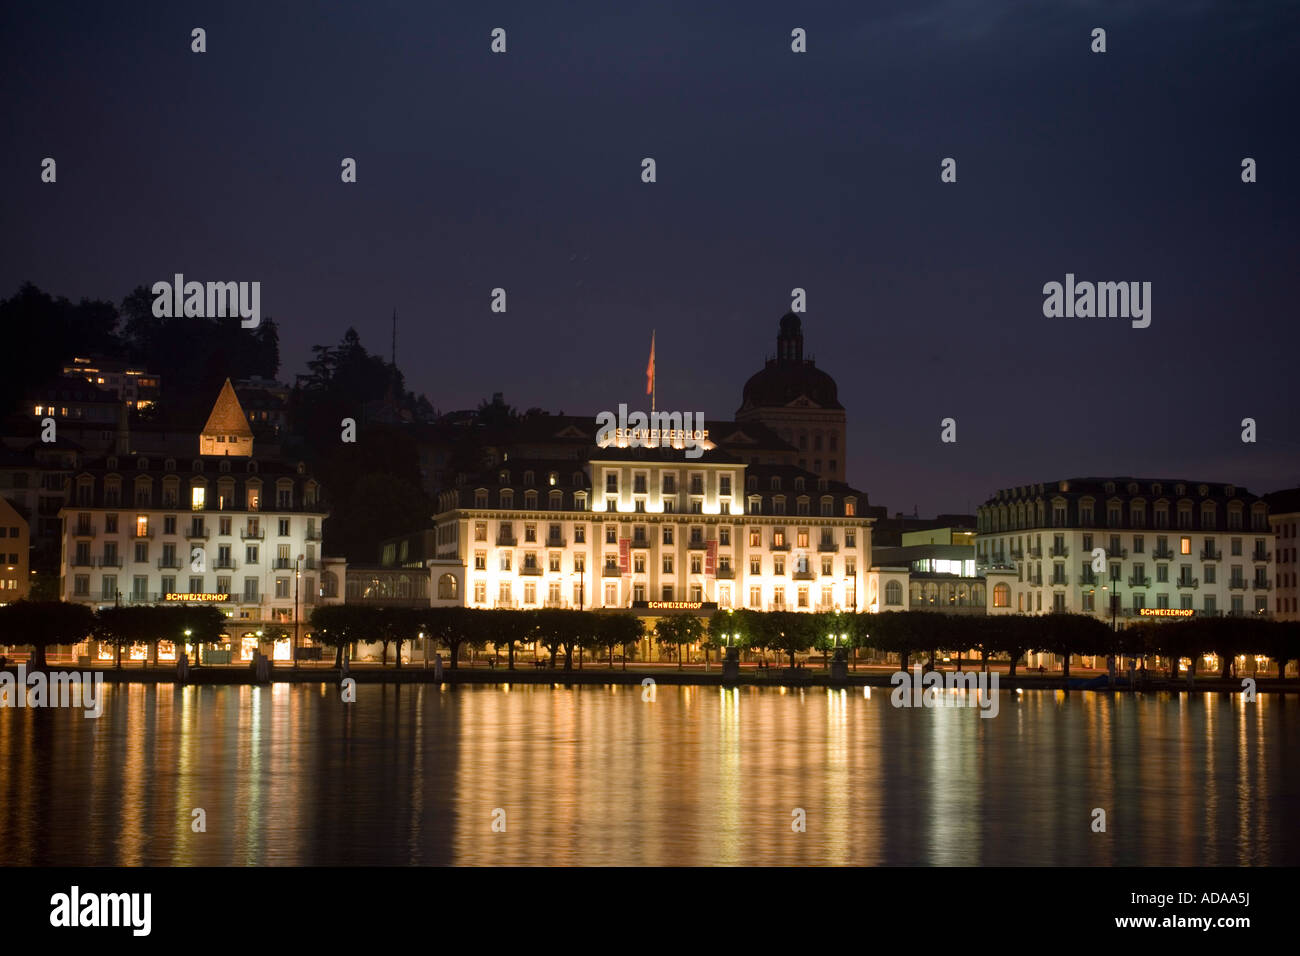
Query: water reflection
{"type": "Point", "coordinates": [525, 774]}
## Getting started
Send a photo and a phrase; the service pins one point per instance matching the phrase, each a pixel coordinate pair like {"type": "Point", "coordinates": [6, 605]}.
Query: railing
{"type": "Point", "coordinates": [697, 544]}
{"type": "Point", "coordinates": [827, 546]}
{"type": "Point", "coordinates": [1139, 582]}
{"type": "Point", "coordinates": [84, 531]}
{"type": "Point", "coordinates": [1211, 555]}
{"type": "Point", "coordinates": [1261, 556]}
{"type": "Point", "coordinates": [1262, 585]}
{"type": "Point", "coordinates": [611, 571]}
{"type": "Point", "coordinates": [198, 533]}
{"type": "Point", "coordinates": [1063, 579]}
{"type": "Point", "coordinates": [81, 563]}
{"type": "Point", "coordinates": [111, 562]}
{"type": "Point", "coordinates": [1035, 552]}
{"type": "Point", "coordinates": [804, 575]}
{"type": "Point", "coordinates": [146, 533]}
{"type": "Point", "coordinates": [1188, 582]}
{"type": "Point", "coordinates": [1119, 553]}
{"type": "Point", "coordinates": [1236, 585]}
{"type": "Point", "coordinates": [173, 564]}
{"type": "Point", "coordinates": [283, 564]}
{"type": "Point", "coordinates": [725, 573]}
{"type": "Point", "coordinates": [224, 564]}
{"type": "Point", "coordinates": [559, 543]}
{"type": "Point", "coordinates": [533, 570]}
{"type": "Point", "coordinates": [1163, 554]}
{"type": "Point", "coordinates": [780, 547]}
{"type": "Point", "coordinates": [314, 534]}
{"type": "Point", "coordinates": [257, 534]}
{"type": "Point", "coordinates": [1061, 552]}
{"type": "Point", "coordinates": [504, 542]}
{"type": "Point", "coordinates": [1017, 554]}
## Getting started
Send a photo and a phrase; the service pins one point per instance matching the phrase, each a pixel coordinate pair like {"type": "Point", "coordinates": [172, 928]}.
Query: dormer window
{"type": "Point", "coordinates": [169, 464]}
{"type": "Point", "coordinates": [197, 465]}
{"type": "Point", "coordinates": [142, 464]}
{"type": "Point", "coordinates": [503, 478]}
{"type": "Point", "coordinates": [224, 465]}
{"type": "Point", "coordinates": [252, 467]}
{"type": "Point", "coordinates": [528, 477]}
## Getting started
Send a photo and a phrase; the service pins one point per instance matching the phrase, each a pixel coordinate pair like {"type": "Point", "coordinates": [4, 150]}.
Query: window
{"type": "Point", "coordinates": [668, 564]}
{"type": "Point", "coordinates": [894, 593]}
{"type": "Point", "coordinates": [1185, 545]}
{"type": "Point", "coordinates": [668, 534]}
{"type": "Point", "coordinates": [724, 536]}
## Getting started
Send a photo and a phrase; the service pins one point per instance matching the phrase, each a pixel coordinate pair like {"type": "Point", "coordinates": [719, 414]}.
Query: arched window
{"type": "Point", "coordinates": [447, 587]}
{"type": "Point", "coordinates": [1002, 595]}
{"type": "Point", "coordinates": [893, 593]}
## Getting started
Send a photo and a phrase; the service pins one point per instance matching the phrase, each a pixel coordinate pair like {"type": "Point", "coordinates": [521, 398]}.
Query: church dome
{"type": "Point", "coordinates": [789, 376]}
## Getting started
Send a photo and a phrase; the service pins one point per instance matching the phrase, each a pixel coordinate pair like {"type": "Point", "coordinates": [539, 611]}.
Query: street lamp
{"type": "Point", "coordinates": [187, 644]}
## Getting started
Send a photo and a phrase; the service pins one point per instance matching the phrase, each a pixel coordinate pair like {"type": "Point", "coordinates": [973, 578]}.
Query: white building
{"type": "Point", "coordinates": [651, 530]}
{"type": "Point", "coordinates": [1163, 545]}
{"type": "Point", "coordinates": [1284, 517]}
{"type": "Point", "coordinates": [222, 528]}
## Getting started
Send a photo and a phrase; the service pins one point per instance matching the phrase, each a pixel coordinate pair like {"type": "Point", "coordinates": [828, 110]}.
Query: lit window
{"type": "Point", "coordinates": [1186, 545]}
{"type": "Point", "coordinates": [196, 498]}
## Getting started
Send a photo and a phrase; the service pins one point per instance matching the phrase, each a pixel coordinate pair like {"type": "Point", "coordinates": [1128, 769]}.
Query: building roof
{"type": "Point", "coordinates": [228, 416]}
{"type": "Point", "coordinates": [1283, 502]}
{"type": "Point", "coordinates": [789, 377]}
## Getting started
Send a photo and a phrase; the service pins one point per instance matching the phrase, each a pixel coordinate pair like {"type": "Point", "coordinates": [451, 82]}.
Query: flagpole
{"type": "Point", "coordinates": [654, 378]}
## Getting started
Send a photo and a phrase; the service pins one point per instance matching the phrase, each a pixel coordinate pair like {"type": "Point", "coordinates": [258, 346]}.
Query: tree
{"type": "Point", "coordinates": [679, 630]}
{"type": "Point", "coordinates": [337, 626]}
{"type": "Point", "coordinates": [43, 624]}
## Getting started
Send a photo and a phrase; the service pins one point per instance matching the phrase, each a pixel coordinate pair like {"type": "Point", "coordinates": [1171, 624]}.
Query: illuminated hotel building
{"type": "Point", "coordinates": [223, 528]}
{"type": "Point", "coordinates": [1198, 547]}
{"type": "Point", "coordinates": [654, 531]}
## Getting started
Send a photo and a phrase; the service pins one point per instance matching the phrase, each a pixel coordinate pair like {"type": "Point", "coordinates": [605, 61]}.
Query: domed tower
{"type": "Point", "coordinates": [796, 399]}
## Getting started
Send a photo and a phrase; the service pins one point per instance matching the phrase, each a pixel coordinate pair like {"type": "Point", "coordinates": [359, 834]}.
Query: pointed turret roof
{"type": "Point", "coordinates": [228, 416]}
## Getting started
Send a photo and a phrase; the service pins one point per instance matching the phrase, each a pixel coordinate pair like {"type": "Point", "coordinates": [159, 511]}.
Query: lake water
{"type": "Point", "coordinates": [418, 774]}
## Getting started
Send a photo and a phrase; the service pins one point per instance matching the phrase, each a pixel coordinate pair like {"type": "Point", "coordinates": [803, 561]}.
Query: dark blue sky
{"type": "Point", "coordinates": [775, 170]}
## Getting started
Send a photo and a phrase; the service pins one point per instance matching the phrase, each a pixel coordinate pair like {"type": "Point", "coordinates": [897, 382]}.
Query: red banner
{"type": "Point", "coordinates": [625, 555]}
{"type": "Point", "coordinates": [711, 558]}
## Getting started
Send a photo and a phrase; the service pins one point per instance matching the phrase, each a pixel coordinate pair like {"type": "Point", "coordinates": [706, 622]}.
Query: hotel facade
{"type": "Point", "coordinates": [222, 528]}
{"type": "Point", "coordinates": [653, 531]}
{"type": "Point", "coordinates": [1198, 548]}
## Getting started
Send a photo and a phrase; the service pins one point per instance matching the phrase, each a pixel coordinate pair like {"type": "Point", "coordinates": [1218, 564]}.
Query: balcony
{"type": "Point", "coordinates": [224, 564]}
{"type": "Point", "coordinates": [697, 544]}
{"type": "Point", "coordinates": [611, 571]}
{"type": "Point", "coordinates": [1136, 582]}
{"type": "Point", "coordinates": [1163, 554]}
{"type": "Point", "coordinates": [1262, 585]}
{"type": "Point", "coordinates": [1062, 580]}
{"type": "Point", "coordinates": [780, 547]}
{"type": "Point", "coordinates": [1089, 579]}
{"type": "Point", "coordinates": [1061, 552]}
{"type": "Point", "coordinates": [197, 534]}
{"type": "Point", "coordinates": [804, 575]}
{"type": "Point", "coordinates": [1017, 554]}
{"type": "Point", "coordinates": [1211, 555]}
{"type": "Point", "coordinates": [559, 543]}
{"type": "Point", "coordinates": [727, 574]}
{"type": "Point", "coordinates": [314, 534]}
{"type": "Point", "coordinates": [146, 533]}
{"type": "Point", "coordinates": [506, 542]}
{"type": "Point", "coordinates": [825, 546]}
{"type": "Point", "coordinates": [282, 564]}
{"type": "Point", "coordinates": [1261, 556]}
{"type": "Point", "coordinates": [1236, 585]}
{"type": "Point", "coordinates": [171, 563]}
{"type": "Point", "coordinates": [111, 561]}
{"type": "Point", "coordinates": [1188, 582]}
{"type": "Point", "coordinates": [84, 531]}
{"type": "Point", "coordinates": [532, 570]}
{"type": "Point", "coordinates": [81, 562]}
{"type": "Point", "coordinates": [1035, 552]}
{"type": "Point", "coordinates": [553, 604]}
{"type": "Point", "coordinates": [252, 534]}
{"type": "Point", "coordinates": [1119, 554]}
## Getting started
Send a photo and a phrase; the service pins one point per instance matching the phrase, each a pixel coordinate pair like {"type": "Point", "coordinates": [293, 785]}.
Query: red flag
{"type": "Point", "coordinates": [650, 368]}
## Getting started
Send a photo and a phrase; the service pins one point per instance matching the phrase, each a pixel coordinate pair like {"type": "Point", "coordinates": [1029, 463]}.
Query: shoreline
{"type": "Point", "coordinates": [217, 675]}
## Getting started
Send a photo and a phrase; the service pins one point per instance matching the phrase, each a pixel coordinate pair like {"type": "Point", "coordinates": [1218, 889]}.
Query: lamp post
{"type": "Point", "coordinates": [187, 644]}
{"type": "Point", "coordinates": [297, 576]}
{"type": "Point", "coordinates": [582, 584]}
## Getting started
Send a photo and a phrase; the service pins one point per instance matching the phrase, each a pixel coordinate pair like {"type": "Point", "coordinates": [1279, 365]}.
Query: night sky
{"type": "Point", "coordinates": [775, 170]}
